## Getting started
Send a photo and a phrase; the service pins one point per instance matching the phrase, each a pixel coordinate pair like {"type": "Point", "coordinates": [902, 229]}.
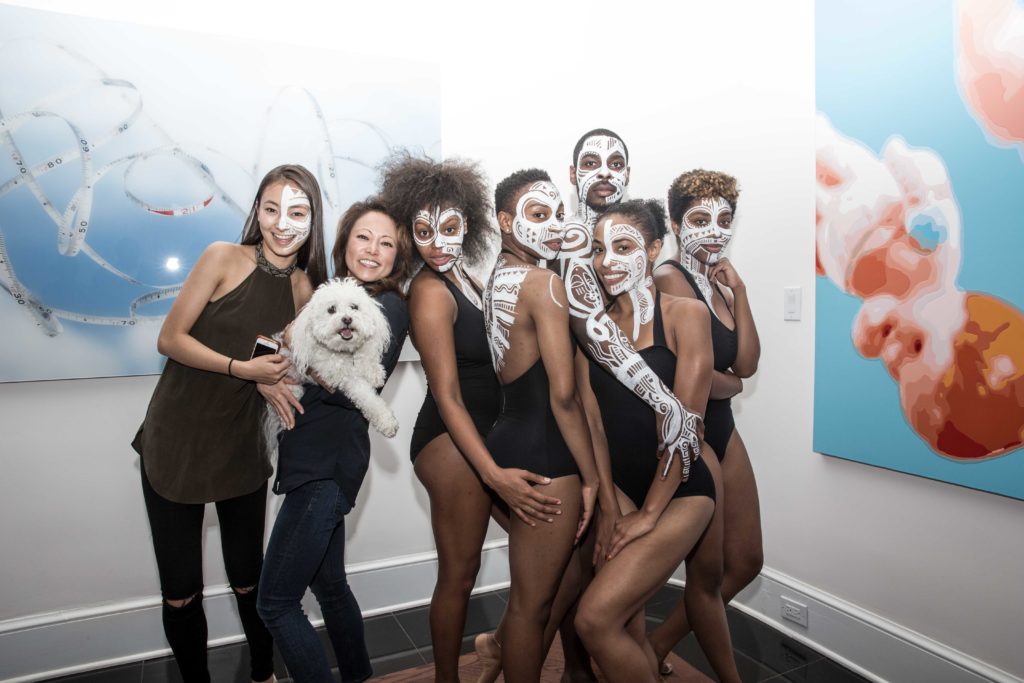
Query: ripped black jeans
{"type": "Point", "coordinates": [178, 541]}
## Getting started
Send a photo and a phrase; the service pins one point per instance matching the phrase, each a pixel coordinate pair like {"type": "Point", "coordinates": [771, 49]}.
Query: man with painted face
{"type": "Point", "coordinates": [600, 173]}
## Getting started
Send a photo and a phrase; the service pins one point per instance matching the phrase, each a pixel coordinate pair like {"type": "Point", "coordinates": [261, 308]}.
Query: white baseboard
{"type": "Point", "coordinates": [62, 643]}
{"type": "Point", "coordinates": [874, 647]}
{"type": "Point", "coordinates": [49, 645]}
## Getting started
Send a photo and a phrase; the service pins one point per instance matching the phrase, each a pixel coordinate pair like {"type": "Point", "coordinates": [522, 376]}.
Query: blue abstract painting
{"type": "Point", "coordinates": [126, 150]}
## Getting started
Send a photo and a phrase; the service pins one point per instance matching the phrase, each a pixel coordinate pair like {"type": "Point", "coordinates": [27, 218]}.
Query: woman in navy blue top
{"type": "Point", "coordinates": [322, 459]}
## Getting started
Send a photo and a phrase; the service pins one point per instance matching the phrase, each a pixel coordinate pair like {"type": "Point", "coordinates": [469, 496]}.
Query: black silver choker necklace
{"type": "Point", "coordinates": [268, 267]}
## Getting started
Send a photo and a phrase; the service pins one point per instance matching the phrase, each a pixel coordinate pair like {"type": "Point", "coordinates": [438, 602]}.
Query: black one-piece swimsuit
{"type": "Point", "coordinates": [718, 420]}
{"type": "Point", "coordinates": [631, 429]}
{"type": "Point", "coordinates": [481, 391]}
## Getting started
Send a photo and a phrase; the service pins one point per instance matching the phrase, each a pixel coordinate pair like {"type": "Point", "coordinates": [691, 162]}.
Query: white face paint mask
{"type": "Point", "coordinates": [632, 265]}
{"type": "Point", "coordinates": [603, 147]}
{"type": "Point", "coordinates": [534, 235]}
{"type": "Point", "coordinates": [289, 225]}
{"type": "Point", "coordinates": [450, 245]}
{"type": "Point", "coordinates": [706, 242]}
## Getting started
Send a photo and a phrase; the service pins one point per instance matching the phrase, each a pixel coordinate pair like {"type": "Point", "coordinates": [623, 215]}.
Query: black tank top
{"type": "Point", "coordinates": [526, 434]}
{"type": "Point", "coordinates": [718, 419]}
{"type": "Point", "coordinates": [471, 346]}
{"type": "Point", "coordinates": [481, 391]}
{"type": "Point", "coordinates": [723, 340]}
{"type": "Point", "coordinates": [631, 429]}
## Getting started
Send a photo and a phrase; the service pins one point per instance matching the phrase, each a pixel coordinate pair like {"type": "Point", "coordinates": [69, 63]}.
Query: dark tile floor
{"type": "Point", "coordinates": [401, 640]}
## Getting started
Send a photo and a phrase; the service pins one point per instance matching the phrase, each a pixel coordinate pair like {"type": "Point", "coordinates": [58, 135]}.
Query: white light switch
{"type": "Point", "coordinates": [791, 297]}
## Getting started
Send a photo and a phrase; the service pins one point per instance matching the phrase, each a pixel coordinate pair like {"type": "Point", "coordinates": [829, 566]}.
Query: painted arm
{"type": "Point", "coordinates": [550, 313]}
{"type": "Point", "coordinates": [176, 341]}
{"type": "Point", "coordinates": [432, 313]}
{"type": "Point", "coordinates": [688, 324]}
{"type": "Point", "coordinates": [608, 346]}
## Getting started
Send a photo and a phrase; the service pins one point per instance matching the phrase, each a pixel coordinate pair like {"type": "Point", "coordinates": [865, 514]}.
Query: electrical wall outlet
{"type": "Point", "coordinates": [794, 611]}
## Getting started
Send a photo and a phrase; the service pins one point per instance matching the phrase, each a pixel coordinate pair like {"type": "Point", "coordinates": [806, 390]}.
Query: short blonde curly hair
{"type": "Point", "coordinates": [700, 184]}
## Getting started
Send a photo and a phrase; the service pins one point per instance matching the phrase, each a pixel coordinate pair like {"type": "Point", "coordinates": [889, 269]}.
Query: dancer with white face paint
{"type": "Point", "coordinates": [446, 205]}
{"type": "Point", "coordinates": [647, 524]}
{"type": "Point", "coordinates": [189, 455]}
{"type": "Point", "coordinates": [701, 206]}
{"type": "Point", "coordinates": [600, 173]}
{"type": "Point", "coordinates": [542, 427]}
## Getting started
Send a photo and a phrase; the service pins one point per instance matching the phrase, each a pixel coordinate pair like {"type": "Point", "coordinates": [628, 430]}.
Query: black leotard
{"type": "Point", "coordinates": [630, 426]}
{"type": "Point", "coordinates": [718, 420]}
{"type": "Point", "coordinates": [481, 392]}
{"type": "Point", "coordinates": [526, 434]}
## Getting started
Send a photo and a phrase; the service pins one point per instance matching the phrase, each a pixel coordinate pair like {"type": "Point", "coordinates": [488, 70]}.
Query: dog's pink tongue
{"type": "Point", "coordinates": [345, 332]}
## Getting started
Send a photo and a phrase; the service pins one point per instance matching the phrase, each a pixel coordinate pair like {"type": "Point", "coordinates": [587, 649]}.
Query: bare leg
{"type": "Point", "coordinates": [537, 558]}
{"type": "Point", "coordinates": [487, 645]}
{"type": "Point", "coordinates": [703, 597]}
{"type": "Point", "coordinates": [578, 574]}
{"type": "Point", "coordinates": [637, 630]}
{"type": "Point", "coordinates": [577, 577]}
{"type": "Point", "coordinates": [608, 611]}
{"type": "Point", "coordinates": [459, 513]}
{"type": "Point", "coordinates": [741, 544]}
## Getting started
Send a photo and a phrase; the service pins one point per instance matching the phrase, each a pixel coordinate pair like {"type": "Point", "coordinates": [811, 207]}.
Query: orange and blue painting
{"type": "Point", "coordinates": [919, 363]}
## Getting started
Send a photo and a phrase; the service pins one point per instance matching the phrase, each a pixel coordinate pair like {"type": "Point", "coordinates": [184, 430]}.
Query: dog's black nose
{"type": "Point", "coordinates": [347, 320]}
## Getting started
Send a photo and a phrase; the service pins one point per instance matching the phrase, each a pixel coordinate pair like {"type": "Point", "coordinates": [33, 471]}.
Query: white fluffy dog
{"type": "Point", "coordinates": [340, 335]}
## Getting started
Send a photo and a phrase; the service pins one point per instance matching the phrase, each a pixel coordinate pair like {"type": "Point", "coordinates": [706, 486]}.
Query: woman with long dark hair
{"type": "Point", "coordinates": [200, 441]}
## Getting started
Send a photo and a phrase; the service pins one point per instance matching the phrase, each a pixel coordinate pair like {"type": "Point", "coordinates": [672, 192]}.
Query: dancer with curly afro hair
{"type": "Point", "coordinates": [445, 206]}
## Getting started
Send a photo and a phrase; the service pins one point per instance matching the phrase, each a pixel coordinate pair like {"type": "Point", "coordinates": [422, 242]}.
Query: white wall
{"type": "Point", "coordinates": [719, 85]}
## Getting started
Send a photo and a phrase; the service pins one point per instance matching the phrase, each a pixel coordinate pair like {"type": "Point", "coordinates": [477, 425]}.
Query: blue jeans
{"type": "Point", "coordinates": [307, 548]}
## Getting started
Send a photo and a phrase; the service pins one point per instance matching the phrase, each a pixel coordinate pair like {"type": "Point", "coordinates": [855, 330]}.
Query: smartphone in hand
{"type": "Point", "coordinates": [264, 346]}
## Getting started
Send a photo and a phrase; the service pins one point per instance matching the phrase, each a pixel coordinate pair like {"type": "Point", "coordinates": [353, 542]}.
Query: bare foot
{"type": "Point", "coordinates": [489, 651]}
